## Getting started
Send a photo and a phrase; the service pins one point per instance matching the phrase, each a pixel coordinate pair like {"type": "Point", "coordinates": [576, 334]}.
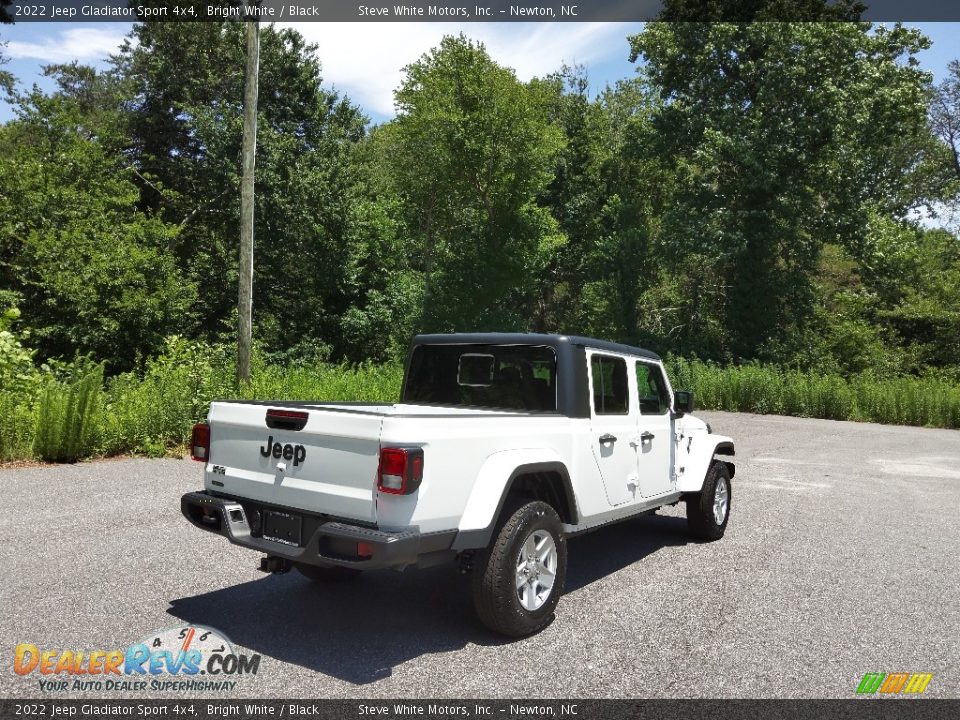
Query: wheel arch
{"type": "Point", "coordinates": [547, 480]}
{"type": "Point", "coordinates": [698, 457]}
{"type": "Point", "coordinates": [727, 450]}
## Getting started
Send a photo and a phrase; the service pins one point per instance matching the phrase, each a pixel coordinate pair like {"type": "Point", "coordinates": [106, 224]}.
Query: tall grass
{"type": "Point", "coordinates": [66, 417]}
{"type": "Point", "coordinates": [151, 412]}
{"type": "Point", "coordinates": [17, 424]}
{"type": "Point", "coordinates": [148, 414]}
{"type": "Point", "coordinates": [769, 390]}
{"type": "Point", "coordinates": [361, 383]}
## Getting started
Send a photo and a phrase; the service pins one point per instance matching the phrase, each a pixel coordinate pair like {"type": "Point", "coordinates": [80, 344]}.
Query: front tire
{"type": "Point", "coordinates": [518, 580]}
{"type": "Point", "coordinates": [709, 510]}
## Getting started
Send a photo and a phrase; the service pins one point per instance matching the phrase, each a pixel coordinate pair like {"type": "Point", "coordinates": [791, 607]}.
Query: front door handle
{"type": "Point", "coordinates": [607, 439]}
{"type": "Point", "coordinates": [646, 436]}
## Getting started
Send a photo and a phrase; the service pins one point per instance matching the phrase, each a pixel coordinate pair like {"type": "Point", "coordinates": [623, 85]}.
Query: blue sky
{"type": "Point", "coordinates": [364, 60]}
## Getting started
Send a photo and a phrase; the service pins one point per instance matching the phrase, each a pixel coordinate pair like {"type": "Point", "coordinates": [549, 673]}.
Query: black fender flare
{"type": "Point", "coordinates": [481, 537]}
{"type": "Point", "coordinates": [726, 449]}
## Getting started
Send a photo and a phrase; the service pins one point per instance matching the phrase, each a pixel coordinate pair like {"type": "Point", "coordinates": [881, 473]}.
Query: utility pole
{"type": "Point", "coordinates": [245, 301]}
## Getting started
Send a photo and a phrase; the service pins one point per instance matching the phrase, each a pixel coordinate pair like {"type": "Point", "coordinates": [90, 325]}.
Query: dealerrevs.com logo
{"type": "Point", "coordinates": [187, 658]}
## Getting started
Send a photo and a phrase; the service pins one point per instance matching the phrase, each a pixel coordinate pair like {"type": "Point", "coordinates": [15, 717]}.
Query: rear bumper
{"type": "Point", "coordinates": [330, 542]}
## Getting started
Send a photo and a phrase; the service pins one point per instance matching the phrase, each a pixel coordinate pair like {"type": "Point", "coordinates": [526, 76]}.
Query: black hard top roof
{"type": "Point", "coordinates": [553, 341]}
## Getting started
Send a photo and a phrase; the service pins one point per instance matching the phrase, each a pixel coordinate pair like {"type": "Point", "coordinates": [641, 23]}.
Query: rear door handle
{"type": "Point", "coordinates": [646, 436]}
{"type": "Point", "coordinates": [607, 438]}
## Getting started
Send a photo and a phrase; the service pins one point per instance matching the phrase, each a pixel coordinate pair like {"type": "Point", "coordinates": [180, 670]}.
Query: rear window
{"type": "Point", "coordinates": [506, 377]}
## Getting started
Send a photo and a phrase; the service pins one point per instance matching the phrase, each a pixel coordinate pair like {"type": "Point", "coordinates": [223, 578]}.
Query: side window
{"type": "Point", "coordinates": [609, 377]}
{"type": "Point", "coordinates": [651, 390]}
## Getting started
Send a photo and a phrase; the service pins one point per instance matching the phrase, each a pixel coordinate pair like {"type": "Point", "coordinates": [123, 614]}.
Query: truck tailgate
{"type": "Point", "coordinates": [329, 466]}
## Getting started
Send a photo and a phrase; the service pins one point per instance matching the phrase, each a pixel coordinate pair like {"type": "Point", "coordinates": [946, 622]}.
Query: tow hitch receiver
{"type": "Point", "coordinates": [275, 565]}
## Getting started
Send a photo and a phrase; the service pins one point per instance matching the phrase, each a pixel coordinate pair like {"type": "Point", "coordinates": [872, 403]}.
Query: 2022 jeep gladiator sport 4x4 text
{"type": "Point", "coordinates": [502, 446]}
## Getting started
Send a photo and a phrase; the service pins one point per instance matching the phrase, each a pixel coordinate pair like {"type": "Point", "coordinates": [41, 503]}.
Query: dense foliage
{"type": "Point", "coordinates": [751, 195]}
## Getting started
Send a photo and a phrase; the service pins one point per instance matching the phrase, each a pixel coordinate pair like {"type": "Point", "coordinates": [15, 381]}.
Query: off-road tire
{"type": "Point", "coordinates": [327, 574]}
{"type": "Point", "coordinates": [700, 506]}
{"type": "Point", "coordinates": [495, 592]}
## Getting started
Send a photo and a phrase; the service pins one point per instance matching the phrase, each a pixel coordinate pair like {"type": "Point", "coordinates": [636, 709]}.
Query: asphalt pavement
{"type": "Point", "coordinates": [842, 557]}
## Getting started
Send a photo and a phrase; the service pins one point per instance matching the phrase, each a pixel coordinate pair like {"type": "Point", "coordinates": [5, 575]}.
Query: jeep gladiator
{"type": "Point", "coordinates": [502, 447]}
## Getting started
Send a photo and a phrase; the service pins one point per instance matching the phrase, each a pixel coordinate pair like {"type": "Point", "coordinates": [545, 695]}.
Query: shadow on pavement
{"type": "Point", "coordinates": [600, 553]}
{"type": "Point", "coordinates": [358, 631]}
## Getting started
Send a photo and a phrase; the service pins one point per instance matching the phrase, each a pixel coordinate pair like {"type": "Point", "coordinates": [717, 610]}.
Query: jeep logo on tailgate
{"type": "Point", "coordinates": [297, 453]}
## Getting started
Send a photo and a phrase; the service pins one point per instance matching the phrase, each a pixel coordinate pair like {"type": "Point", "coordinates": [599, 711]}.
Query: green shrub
{"type": "Point", "coordinates": [17, 372]}
{"type": "Point", "coordinates": [144, 414]}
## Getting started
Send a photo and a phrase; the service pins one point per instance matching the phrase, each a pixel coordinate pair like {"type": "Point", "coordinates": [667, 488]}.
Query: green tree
{"type": "Point", "coordinates": [471, 149]}
{"type": "Point", "coordinates": [96, 102]}
{"type": "Point", "coordinates": [185, 130]}
{"type": "Point", "coordinates": [382, 281]}
{"type": "Point", "coordinates": [94, 274]}
{"type": "Point", "coordinates": [782, 136]}
{"type": "Point", "coordinates": [628, 259]}
{"type": "Point", "coordinates": [945, 157]}
{"type": "Point", "coordinates": [945, 115]}
{"type": "Point", "coordinates": [915, 276]}
{"type": "Point", "coordinates": [577, 198]}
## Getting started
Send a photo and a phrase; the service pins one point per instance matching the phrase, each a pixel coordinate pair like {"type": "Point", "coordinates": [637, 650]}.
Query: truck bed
{"type": "Point", "coordinates": [328, 466]}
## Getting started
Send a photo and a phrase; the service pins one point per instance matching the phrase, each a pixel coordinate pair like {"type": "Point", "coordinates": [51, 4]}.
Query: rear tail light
{"type": "Point", "coordinates": [200, 442]}
{"type": "Point", "coordinates": [400, 471]}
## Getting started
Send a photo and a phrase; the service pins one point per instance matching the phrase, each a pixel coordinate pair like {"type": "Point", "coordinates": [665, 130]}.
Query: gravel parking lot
{"type": "Point", "coordinates": [842, 557]}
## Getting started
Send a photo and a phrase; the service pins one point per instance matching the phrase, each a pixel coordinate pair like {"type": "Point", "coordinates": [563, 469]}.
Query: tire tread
{"type": "Point", "coordinates": [700, 506]}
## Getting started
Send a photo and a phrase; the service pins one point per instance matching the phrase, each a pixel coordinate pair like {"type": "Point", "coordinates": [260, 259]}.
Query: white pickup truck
{"type": "Point", "coordinates": [502, 446]}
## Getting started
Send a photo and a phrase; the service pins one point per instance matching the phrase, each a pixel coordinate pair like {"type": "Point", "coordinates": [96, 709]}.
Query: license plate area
{"type": "Point", "coordinates": [282, 527]}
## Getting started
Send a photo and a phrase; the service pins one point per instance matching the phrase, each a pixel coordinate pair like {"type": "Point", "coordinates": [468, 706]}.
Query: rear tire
{"type": "Point", "coordinates": [327, 574]}
{"type": "Point", "coordinates": [709, 510]}
{"type": "Point", "coordinates": [518, 580]}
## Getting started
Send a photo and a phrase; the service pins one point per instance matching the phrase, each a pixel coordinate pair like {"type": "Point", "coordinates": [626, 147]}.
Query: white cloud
{"type": "Point", "coordinates": [82, 44]}
{"type": "Point", "coordinates": [365, 60]}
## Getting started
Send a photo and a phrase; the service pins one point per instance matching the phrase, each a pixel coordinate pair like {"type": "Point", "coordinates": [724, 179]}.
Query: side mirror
{"type": "Point", "coordinates": [682, 402]}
